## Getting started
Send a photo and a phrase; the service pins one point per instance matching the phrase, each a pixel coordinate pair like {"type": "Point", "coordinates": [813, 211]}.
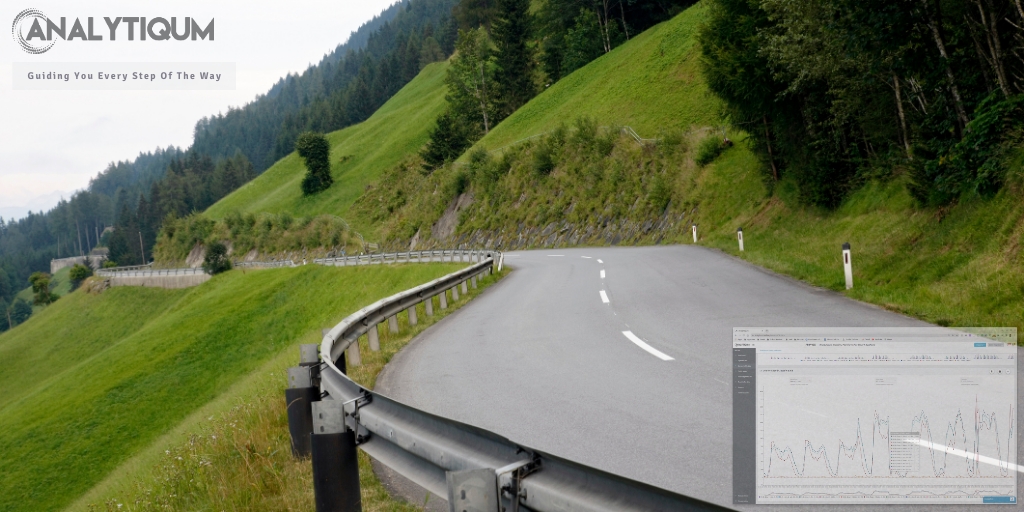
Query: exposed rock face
{"type": "Point", "coordinates": [196, 256]}
{"type": "Point", "coordinates": [415, 241]}
{"type": "Point", "coordinates": [446, 225]}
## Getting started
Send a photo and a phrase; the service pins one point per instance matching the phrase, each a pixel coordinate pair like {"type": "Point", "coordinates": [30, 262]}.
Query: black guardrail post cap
{"type": "Point", "coordinates": [846, 246]}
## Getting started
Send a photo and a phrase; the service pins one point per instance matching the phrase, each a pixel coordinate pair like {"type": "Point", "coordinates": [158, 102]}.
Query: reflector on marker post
{"type": "Point", "coordinates": [847, 266]}
{"type": "Point", "coordinates": [694, 233]}
{"type": "Point", "coordinates": [739, 236]}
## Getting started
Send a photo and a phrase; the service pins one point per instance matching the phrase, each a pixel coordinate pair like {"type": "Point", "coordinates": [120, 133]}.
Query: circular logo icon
{"type": "Point", "coordinates": [24, 20]}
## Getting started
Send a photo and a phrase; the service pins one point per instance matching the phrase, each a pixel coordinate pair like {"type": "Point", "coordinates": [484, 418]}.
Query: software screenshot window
{"type": "Point", "coordinates": [875, 415]}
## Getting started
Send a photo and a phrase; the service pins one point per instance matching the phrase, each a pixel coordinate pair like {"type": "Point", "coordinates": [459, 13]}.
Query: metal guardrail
{"type": "Point", "coordinates": [479, 469]}
{"type": "Point", "coordinates": [147, 271]}
{"type": "Point", "coordinates": [264, 264]}
{"type": "Point", "coordinates": [447, 255]}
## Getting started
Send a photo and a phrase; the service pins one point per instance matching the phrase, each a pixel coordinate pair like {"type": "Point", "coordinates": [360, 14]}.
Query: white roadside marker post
{"type": "Point", "coordinates": [739, 236]}
{"type": "Point", "coordinates": [694, 233]}
{"type": "Point", "coordinates": [847, 266]}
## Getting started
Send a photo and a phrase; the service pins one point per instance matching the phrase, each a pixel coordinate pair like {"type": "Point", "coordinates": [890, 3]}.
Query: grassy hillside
{"type": "Point", "coordinates": [85, 389]}
{"type": "Point", "coordinates": [60, 284]}
{"type": "Point", "coordinates": [359, 154]}
{"type": "Point", "coordinates": [651, 83]}
{"type": "Point", "coordinates": [233, 453]}
{"type": "Point", "coordinates": [957, 265]}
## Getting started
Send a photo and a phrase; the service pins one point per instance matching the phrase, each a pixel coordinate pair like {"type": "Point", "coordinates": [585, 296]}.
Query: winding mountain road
{"type": "Point", "coordinates": [618, 358]}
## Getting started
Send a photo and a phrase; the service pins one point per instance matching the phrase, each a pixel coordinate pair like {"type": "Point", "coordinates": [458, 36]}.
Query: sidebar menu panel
{"type": "Point", "coordinates": [744, 425]}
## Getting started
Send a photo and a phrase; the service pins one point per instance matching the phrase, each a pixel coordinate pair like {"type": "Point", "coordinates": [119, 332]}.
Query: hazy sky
{"type": "Point", "coordinates": [52, 142]}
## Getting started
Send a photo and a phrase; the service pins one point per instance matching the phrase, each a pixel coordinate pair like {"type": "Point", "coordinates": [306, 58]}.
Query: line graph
{"type": "Point", "coordinates": [926, 438]}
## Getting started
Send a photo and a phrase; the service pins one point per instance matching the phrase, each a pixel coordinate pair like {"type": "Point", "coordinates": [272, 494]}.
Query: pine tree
{"type": "Point", "coordinates": [514, 57]}
{"type": "Point", "coordinates": [447, 141]}
{"type": "Point", "coordinates": [316, 151]}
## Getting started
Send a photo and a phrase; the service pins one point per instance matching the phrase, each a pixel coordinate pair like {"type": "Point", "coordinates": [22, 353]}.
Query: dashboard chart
{"type": "Point", "coordinates": [884, 421]}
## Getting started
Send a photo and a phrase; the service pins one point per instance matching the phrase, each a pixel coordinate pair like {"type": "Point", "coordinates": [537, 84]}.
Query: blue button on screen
{"type": "Point", "coordinates": [999, 499]}
{"type": "Point", "coordinates": [979, 344]}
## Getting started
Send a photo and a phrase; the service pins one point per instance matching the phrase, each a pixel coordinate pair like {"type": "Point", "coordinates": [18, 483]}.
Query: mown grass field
{"type": "Point", "coordinates": [234, 454]}
{"type": "Point", "coordinates": [60, 284]}
{"type": "Point", "coordinates": [359, 154]}
{"type": "Point", "coordinates": [651, 83]}
{"type": "Point", "coordinates": [94, 379]}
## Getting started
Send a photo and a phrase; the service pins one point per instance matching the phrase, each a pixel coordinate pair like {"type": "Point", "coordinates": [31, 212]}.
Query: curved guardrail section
{"type": "Point", "coordinates": [447, 457]}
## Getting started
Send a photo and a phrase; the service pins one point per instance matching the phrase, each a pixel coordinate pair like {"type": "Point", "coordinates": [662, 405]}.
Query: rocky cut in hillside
{"type": "Point", "coordinates": [579, 185]}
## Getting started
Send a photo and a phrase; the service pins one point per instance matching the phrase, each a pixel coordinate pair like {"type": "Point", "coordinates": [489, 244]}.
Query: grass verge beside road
{"type": "Point", "coordinates": [105, 376]}
{"type": "Point", "coordinates": [234, 454]}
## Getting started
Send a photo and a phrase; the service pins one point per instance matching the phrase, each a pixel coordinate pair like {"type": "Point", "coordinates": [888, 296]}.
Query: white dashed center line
{"type": "Point", "coordinates": [640, 343]}
{"type": "Point", "coordinates": [599, 261]}
{"type": "Point", "coordinates": [585, 257]}
{"type": "Point", "coordinates": [604, 297]}
{"type": "Point", "coordinates": [555, 255]}
{"type": "Point", "coordinates": [602, 273]}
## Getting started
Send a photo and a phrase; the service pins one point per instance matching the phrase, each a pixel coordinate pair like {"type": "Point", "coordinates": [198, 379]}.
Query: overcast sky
{"type": "Point", "coordinates": [52, 142]}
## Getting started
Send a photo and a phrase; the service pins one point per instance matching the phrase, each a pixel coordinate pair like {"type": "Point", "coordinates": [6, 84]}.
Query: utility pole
{"type": "Point", "coordinates": [143, 248]}
{"type": "Point", "coordinates": [79, 230]}
{"type": "Point", "coordinates": [96, 228]}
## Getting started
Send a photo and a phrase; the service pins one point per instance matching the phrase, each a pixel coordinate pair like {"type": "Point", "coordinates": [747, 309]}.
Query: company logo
{"type": "Point", "coordinates": [17, 32]}
{"type": "Point", "coordinates": [28, 30]}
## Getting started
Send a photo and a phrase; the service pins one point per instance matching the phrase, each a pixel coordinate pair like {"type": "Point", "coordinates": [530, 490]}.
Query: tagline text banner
{"type": "Point", "coordinates": [124, 76]}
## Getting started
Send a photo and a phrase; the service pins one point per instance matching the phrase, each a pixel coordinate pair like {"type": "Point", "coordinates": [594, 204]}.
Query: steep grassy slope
{"type": "Point", "coordinates": [958, 265]}
{"type": "Point", "coordinates": [358, 153]}
{"type": "Point", "coordinates": [233, 453]}
{"type": "Point", "coordinates": [79, 412]}
{"type": "Point", "coordinates": [60, 284]}
{"type": "Point", "coordinates": [651, 83]}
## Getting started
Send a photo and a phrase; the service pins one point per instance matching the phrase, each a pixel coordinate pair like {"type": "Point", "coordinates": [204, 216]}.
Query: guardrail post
{"type": "Point", "coordinates": [455, 293]}
{"type": "Point", "coordinates": [373, 338]}
{"type": "Point", "coordinates": [299, 396]}
{"type": "Point", "coordinates": [393, 323]}
{"type": "Point", "coordinates": [847, 265]}
{"type": "Point", "coordinates": [340, 363]}
{"type": "Point", "coordinates": [335, 462]}
{"type": "Point", "coordinates": [412, 315]}
{"type": "Point", "coordinates": [429, 306]}
{"type": "Point", "coordinates": [352, 352]}
{"type": "Point", "coordinates": [465, 290]}
{"type": "Point", "coordinates": [472, 282]}
{"type": "Point", "coordinates": [444, 299]}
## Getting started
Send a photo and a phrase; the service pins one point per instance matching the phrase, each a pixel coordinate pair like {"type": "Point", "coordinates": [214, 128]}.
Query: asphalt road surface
{"type": "Point", "coordinates": [543, 359]}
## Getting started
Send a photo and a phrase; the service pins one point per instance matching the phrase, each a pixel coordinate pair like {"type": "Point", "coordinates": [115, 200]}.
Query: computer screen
{"type": "Point", "coordinates": [875, 415]}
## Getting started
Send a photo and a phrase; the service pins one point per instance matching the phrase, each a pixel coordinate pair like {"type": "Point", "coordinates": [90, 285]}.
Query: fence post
{"type": "Point", "coordinates": [412, 315]}
{"type": "Point", "coordinates": [373, 338]}
{"type": "Point", "coordinates": [847, 265]}
{"type": "Point", "coordinates": [429, 306]}
{"type": "Point", "coordinates": [694, 233]}
{"type": "Point", "coordinates": [393, 322]}
{"type": "Point", "coordinates": [335, 462]}
{"type": "Point", "coordinates": [739, 236]}
{"type": "Point", "coordinates": [299, 397]}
